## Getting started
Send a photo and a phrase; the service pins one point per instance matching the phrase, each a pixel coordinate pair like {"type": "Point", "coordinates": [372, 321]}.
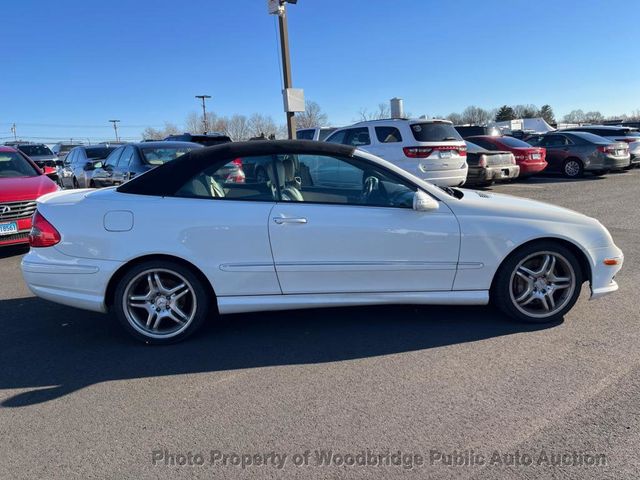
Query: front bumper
{"type": "Point", "coordinates": [77, 282]}
{"type": "Point", "coordinates": [602, 276]}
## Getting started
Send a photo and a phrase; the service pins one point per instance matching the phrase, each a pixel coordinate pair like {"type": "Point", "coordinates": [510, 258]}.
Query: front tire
{"type": "Point", "coordinates": [538, 283]}
{"type": "Point", "coordinates": [161, 302]}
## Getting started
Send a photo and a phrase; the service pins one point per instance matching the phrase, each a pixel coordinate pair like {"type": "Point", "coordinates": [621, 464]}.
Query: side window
{"type": "Point", "coordinates": [358, 137]}
{"type": "Point", "coordinates": [126, 157]}
{"type": "Point", "coordinates": [341, 181]}
{"type": "Point", "coordinates": [112, 159]}
{"type": "Point", "coordinates": [69, 159]}
{"type": "Point", "coordinates": [305, 134]}
{"type": "Point", "coordinates": [337, 137]}
{"type": "Point", "coordinates": [388, 134]}
{"type": "Point", "coordinates": [246, 178]}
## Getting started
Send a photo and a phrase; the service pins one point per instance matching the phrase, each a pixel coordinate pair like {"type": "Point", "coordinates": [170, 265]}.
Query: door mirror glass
{"type": "Point", "coordinates": [423, 202]}
{"type": "Point", "coordinates": [97, 165]}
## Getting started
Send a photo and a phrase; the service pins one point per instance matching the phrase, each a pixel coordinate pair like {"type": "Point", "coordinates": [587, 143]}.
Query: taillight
{"type": "Point", "coordinates": [417, 152]}
{"type": "Point", "coordinates": [610, 149]}
{"type": "Point", "coordinates": [630, 139]}
{"type": "Point", "coordinates": [237, 162]}
{"type": "Point", "coordinates": [424, 152]}
{"type": "Point", "coordinates": [42, 234]}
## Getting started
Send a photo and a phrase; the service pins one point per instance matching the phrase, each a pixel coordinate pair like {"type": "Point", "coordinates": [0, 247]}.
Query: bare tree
{"type": "Point", "coordinates": [477, 116]}
{"type": "Point", "coordinates": [574, 116]}
{"type": "Point", "coordinates": [383, 111]}
{"type": "Point", "coordinates": [261, 125]}
{"type": "Point", "coordinates": [311, 117]}
{"type": "Point", "coordinates": [193, 123]}
{"type": "Point", "coordinates": [525, 111]}
{"type": "Point", "coordinates": [455, 118]}
{"type": "Point", "coordinates": [593, 117]}
{"type": "Point", "coordinates": [237, 128]}
{"type": "Point", "coordinates": [151, 133]}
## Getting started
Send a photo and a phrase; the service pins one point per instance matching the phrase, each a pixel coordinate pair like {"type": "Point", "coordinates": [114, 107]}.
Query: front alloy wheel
{"type": "Point", "coordinates": [160, 302]}
{"type": "Point", "coordinates": [538, 283]}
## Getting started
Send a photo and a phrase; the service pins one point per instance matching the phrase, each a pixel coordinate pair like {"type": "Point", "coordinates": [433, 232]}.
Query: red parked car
{"type": "Point", "coordinates": [530, 159]}
{"type": "Point", "coordinates": [21, 183]}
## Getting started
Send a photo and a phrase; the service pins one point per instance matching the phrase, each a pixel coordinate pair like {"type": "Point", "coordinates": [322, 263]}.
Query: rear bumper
{"type": "Point", "coordinates": [608, 163]}
{"type": "Point", "coordinates": [531, 168]}
{"type": "Point", "coordinates": [77, 282]}
{"type": "Point", "coordinates": [479, 175]}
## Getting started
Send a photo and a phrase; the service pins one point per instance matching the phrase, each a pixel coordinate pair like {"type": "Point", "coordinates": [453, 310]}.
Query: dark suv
{"type": "Point", "coordinates": [207, 139]}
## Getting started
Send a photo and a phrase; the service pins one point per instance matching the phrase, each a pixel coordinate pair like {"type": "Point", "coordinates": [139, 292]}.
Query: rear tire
{"type": "Point", "coordinates": [538, 283]}
{"type": "Point", "coordinates": [573, 168]}
{"type": "Point", "coordinates": [160, 302]}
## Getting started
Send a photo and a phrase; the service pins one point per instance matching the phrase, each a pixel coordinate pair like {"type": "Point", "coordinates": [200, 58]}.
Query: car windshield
{"type": "Point", "coordinates": [98, 153]}
{"type": "Point", "coordinates": [514, 142]}
{"type": "Point", "coordinates": [473, 148]}
{"type": "Point", "coordinates": [35, 150]}
{"type": "Point", "coordinates": [435, 132]}
{"type": "Point", "coordinates": [13, 165]}
{"type": "Point", "coordinates": [161, 155]}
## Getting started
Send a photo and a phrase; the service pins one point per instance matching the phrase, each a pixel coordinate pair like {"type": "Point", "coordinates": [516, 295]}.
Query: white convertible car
{"type": "Point", "coordinates": [279, 225]}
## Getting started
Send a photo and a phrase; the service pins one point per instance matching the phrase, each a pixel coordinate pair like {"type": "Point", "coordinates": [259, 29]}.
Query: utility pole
{"type": "Point", "coordinates": [13, 130]}
{"type": "Point", "coordinates": [293, 98]}
{"type": "Point", "coordinates": [204, 111]}
{"type": "Point", "coordinates": [115, 128]}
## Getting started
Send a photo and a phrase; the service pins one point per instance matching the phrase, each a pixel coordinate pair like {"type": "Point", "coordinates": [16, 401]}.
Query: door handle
{"type": "Point", "coordinates": [282, 220]}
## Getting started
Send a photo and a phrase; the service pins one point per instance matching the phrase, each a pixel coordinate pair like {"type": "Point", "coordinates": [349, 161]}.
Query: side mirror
{"type": "Point", "coordinates": [423, 202]}
{"type": "Point", "coordinates": [97, 165]}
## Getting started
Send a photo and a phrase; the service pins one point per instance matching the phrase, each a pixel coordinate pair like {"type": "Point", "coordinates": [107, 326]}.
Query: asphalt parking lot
{"type": "Point", "coordinates": [79, 399]}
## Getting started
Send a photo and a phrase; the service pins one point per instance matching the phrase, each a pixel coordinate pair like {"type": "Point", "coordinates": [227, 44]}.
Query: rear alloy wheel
{"type": "Point", "coordinates": [161, 302]}
{"type": "Point", "coordinates": [572, 168]}
{"type": "Point", "coordinates": [539, 283]}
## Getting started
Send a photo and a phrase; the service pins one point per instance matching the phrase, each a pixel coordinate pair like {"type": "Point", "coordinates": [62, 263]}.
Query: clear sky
{"type": "Point", "coordinates": [68, 69]}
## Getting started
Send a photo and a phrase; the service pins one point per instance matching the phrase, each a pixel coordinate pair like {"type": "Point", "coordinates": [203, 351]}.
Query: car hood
{"type": "Point", "coordinates": [25, 188]}
{"type": "Point", "coordinates": [502, 205]}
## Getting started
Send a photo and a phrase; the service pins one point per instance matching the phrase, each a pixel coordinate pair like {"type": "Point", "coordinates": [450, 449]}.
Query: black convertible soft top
{"type": "Point", "coordinates": [168, 178]}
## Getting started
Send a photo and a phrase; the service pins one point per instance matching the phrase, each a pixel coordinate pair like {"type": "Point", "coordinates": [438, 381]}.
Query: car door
{"type": "Point", "coordinates": [223, 228]}
{"type": "Point", "coordinates": [103, 177]}
{"type": "Point", "coordinates": [67, 170]}
{"type": "Point", "coordinates": [121, 171]}
{"type": "Point", "coordinates": [557, 151]}
{"type": "Point", "coordinates": [354, 230]}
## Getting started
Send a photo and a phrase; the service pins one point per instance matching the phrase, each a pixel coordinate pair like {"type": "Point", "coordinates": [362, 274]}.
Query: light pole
{"type": "Point", "coordinates": [293, 98]}
{"type": "Point", "coordinates": [115, 128]}
{"type": "Point", "coordinates": [204, 111]}
{"type": "Point", "coordinates": [13, 130]}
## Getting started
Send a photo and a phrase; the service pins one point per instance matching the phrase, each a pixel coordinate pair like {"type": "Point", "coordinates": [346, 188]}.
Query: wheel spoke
{"type": "Point", "coordinates": [551, 300]}
{"type": "Point", "coordinates": [150, 317]}
{"type": "Point", "coordinates": [144, 305]}
{"type": "Point", "coordinates": [178, 315]}
{"type": "Point", "coordinates": [551, 267]}
{"type": "Point", "coordinates": [526, 293]}
{"type": "Point", "coordinates": [139, 298]}
{"type": "Point", "coordinates": [543, 301]}
{"type": "Point", "coordinates": [174, 290]}
{"type": "Point", "coordinates": [526, 271]}
{"type": "Point", "coordinates": [157, 322]}
{"type": "Point", "coordinates": [545, 265]}
{"type": "Point", "coordinates": [527, 300]}
{"type": "Point", "coordinates": [161, 287]}
{"type": "Point", "coordinates": [152, 287]}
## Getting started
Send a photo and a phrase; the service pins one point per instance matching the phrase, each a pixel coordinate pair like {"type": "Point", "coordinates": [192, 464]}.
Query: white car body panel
{"type": "Point", "coordinates": [342, 255]}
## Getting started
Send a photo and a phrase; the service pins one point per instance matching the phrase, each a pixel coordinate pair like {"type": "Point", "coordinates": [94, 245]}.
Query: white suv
{"type": "Point", "coordinates": [430, 149]}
